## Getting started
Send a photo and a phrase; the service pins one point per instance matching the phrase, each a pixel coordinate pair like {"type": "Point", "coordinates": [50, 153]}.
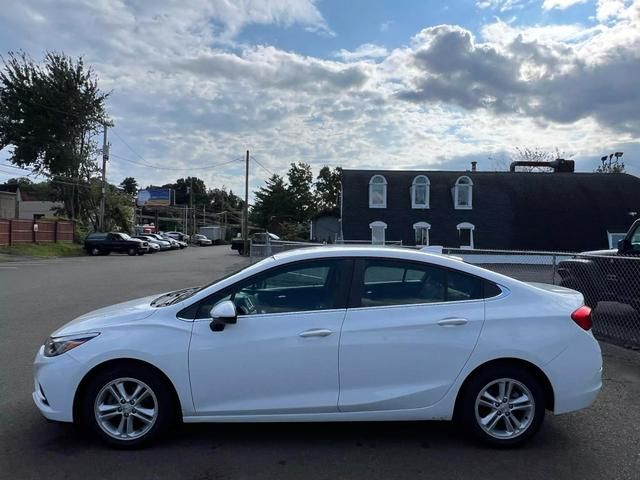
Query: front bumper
{"type": "Point", "coordinates": [55, 382]}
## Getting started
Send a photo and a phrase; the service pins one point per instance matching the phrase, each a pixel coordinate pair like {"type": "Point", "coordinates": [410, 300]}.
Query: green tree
{"type": "Point", "coordinates": [301, 198]}
{"type": "Point", "coordinates": [50, 115]}
{"type": "Point", "coordinates": [129, 186]}
{"type": "Point", "coordinates": [327, 188]}
{"type": "Point", "coordinates": [181, 189]}
{"type": "Point", "coordinates": [223, 201]}
{"type": "Point", "coordinates": [273, 203]}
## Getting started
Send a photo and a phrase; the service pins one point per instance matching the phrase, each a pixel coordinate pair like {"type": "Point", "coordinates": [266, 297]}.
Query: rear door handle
{"type": "Point", "coordinates": [452, 322]}
{"type": "Point", "coordinates": [316, 332]}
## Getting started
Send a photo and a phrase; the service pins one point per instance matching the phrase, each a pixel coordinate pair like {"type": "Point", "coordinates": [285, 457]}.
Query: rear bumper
{"type": "Point", "coordinates": [576, 375]}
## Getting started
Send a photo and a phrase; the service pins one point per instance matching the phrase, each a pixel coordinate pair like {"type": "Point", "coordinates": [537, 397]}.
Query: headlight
{"type": "Point", "coordinates": [55, 346]}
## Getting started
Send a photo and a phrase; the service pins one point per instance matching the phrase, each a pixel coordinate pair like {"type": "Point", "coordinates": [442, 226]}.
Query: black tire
{"type": "Point", "coordinates": [132, 252]}
{"type": "Point", "coordinates": [167, 408]}
{"type": "Point", "coordinates": [94, 251]}
{"type": "Point", "coordinates": [470, 417]}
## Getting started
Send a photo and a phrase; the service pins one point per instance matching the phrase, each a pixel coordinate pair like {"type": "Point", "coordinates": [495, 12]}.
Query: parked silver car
{"type": "Point", "coordinates": [201, 240]}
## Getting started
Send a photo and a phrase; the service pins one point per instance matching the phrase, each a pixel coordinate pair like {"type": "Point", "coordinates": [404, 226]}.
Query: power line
{"type": "Point", "coordinates": [262, 166]}
{"type": "Point", "coordinates": [200, 167]}
{"type": "Point", "coordinates": [53, 180]}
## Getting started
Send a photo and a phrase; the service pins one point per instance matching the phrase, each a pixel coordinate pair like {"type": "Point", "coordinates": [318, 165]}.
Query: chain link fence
{"type": "Point", "coordinates": [610, 284]}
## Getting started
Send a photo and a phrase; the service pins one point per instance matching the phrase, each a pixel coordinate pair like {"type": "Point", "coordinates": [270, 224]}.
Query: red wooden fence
{"type": "Point", "coordinates": [13, 231]}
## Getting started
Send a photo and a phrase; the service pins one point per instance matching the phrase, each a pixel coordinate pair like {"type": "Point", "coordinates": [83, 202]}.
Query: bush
{"type": "Point", "coordinates": [80, 232]}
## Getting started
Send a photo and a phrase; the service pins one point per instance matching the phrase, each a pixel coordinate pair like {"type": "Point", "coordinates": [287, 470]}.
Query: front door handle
{"type": "Point", "coordinates": [316, 332]}
{"type": "Point", "coordinates": [452, 322]}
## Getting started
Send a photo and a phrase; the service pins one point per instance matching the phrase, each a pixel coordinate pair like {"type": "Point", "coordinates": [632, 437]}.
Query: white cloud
{"type": "Point", "coordinates": [186, 94]}
{"type": "Point", "coordinates": [503, 5]}
{"type": "Point", "coordinates": [385, 26]}
{"type": "Point", "coordinates": [611, 9]}
{"type": "Point", "coordinates": [560, 4]}
{"type": "Point", "coordinates": [367, 50]}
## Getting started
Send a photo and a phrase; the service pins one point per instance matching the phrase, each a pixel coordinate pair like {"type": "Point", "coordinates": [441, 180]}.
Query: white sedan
{"type": "Point", "coordinates": [328, 334]}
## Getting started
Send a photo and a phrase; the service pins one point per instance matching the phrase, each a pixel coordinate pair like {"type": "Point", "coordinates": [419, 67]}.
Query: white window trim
{"type": "Point", "coordinates": [385, 183]}
{"type": "Point", "coordinates": [379, 224]}
{"type": "Point", "coordinates": [426, 225]}
{"type": "Point", "coordinates": [610, 238]}
{"type": "Point", "coordinates": [467, 226]}
{"type": "Point", "coordinates": [455, 193]}
{"type": "Point", "coordinates": [427, 186]}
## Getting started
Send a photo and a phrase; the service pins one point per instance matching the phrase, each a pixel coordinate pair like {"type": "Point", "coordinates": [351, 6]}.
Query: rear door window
{"type": "Point", "coordinates": [393, 282]}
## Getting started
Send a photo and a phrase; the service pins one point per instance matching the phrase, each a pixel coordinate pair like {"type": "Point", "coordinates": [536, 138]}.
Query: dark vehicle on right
{"type": "Point", "coordinates": [104, 243]}
{"type": "Point", "coordinates": [607, 275]}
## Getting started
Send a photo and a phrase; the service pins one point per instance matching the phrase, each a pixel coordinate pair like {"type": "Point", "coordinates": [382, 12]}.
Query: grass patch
{"type": "Point", "coordinates": [43, 250]}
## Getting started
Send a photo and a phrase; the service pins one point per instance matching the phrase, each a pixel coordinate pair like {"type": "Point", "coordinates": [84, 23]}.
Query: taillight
{"type": "Point", "coordinates": [582, 317]}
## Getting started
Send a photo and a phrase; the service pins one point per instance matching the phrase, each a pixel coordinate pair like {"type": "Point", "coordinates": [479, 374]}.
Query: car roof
{"type": "Point", "coordinates": [392, 253]}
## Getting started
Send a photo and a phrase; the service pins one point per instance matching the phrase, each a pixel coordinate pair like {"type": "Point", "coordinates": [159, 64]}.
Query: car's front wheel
{"type": "Point", "coordinates": [132, 252]}
{"type": "Point", "coordinates": [127, 406]}
{"type": "Point", "coordinates": [503, 406]}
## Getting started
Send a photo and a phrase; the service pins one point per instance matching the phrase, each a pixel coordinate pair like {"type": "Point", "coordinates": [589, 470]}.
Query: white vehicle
{"type": "Point", "coordinates": [328, 334]}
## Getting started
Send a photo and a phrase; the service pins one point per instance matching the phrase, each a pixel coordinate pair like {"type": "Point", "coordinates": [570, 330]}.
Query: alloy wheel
{"type": "Point", "coordinates": [504, 408]}
{"type": "Point", "coordinates": [126, 408]}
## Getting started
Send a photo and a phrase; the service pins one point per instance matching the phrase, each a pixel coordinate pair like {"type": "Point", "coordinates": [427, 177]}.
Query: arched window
{"type": "Point", "coordinates": [465, 234]}
{"type": "Point", "coordinates": [377, 232]}
{"type": "Point", "coordinates": [420, 192]}
{"type": "Point", "coordinates": [463, 194]}
{"type": "Point", "coordinates": [421, 230]}
{"type": "Point", "coordinates": [378, 192]}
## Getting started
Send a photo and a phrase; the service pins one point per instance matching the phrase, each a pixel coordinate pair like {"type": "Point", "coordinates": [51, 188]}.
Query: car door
{"type": "Point", "coordinates": [409, 330]}
{"type": "Point", "coordinates": [281, 357]}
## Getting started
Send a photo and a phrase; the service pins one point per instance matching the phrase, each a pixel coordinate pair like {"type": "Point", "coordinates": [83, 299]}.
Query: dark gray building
{"type": "Point", "coordinates": [561, 211]}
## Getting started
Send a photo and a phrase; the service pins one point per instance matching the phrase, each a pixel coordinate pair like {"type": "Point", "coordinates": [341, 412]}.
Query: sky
{"type": "Point", "coordinates": [401, 84]}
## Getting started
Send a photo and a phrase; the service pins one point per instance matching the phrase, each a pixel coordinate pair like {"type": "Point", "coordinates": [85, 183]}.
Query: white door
{"type": "Point", "coordinates": [282, 355]}
{"type": "Point", "coordinates": [406, 343]}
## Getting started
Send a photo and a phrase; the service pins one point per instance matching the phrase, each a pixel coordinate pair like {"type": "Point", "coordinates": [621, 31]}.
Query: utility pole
{"type": "Point", "coordinates": [191, 213]}
{"type": "Point", "coordinates": [245, 215]}
{"type": "Point", "coordinates": [105, 158]}
{"type": "Point", "coordinates": [204, 214]}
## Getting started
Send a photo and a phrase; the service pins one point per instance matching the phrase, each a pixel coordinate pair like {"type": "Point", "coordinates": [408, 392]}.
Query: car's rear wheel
{"type": "Point", "coordinates": [132, 252]}
{"type": "Point", "coordinates": [94, 251]}
{"type": "Point", "coordinates": [503, 406]}
{"type": "Point", "coordinates": [127, 406]}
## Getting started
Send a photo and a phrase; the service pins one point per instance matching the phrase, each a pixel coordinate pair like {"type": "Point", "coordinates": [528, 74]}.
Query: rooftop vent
{"type": "Point", "coordinates": [558, 165]}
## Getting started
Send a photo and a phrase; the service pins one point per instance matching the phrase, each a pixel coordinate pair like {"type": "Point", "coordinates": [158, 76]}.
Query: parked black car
{"type": "Point", "coordinates": [105, 243]}
{"type": "Point", "coordinates": [607, 275]}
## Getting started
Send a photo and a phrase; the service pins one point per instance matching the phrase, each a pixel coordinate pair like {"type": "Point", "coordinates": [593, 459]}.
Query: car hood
{"type": "Point", "coordinates": [119, 314]}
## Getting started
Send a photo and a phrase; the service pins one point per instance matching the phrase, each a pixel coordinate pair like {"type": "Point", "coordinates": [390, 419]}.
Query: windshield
{"type": "Point", "coordinates": [125, 236]}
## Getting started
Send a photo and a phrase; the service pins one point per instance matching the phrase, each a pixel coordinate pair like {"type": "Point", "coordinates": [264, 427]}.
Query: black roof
{"type": "Point", "coordinates": [511, 210]}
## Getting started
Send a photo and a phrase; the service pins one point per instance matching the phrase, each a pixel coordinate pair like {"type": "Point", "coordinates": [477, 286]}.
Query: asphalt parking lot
{"type": "Point", "coordinates": [38, 296]}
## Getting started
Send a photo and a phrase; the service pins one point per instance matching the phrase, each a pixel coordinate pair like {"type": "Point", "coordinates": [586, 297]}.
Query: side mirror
{"type": "Point", "coordinates": [624, 245]}
{"type": "Point", "coordinates": [222, 314]}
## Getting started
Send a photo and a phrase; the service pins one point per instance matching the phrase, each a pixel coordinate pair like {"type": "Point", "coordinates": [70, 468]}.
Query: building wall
{"type": "Point", "coordinates": [27, 209]}
{"type": "Point", "coordinates": [514, 211]}
{"type": "Point", "coordinates": [7, 205]}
